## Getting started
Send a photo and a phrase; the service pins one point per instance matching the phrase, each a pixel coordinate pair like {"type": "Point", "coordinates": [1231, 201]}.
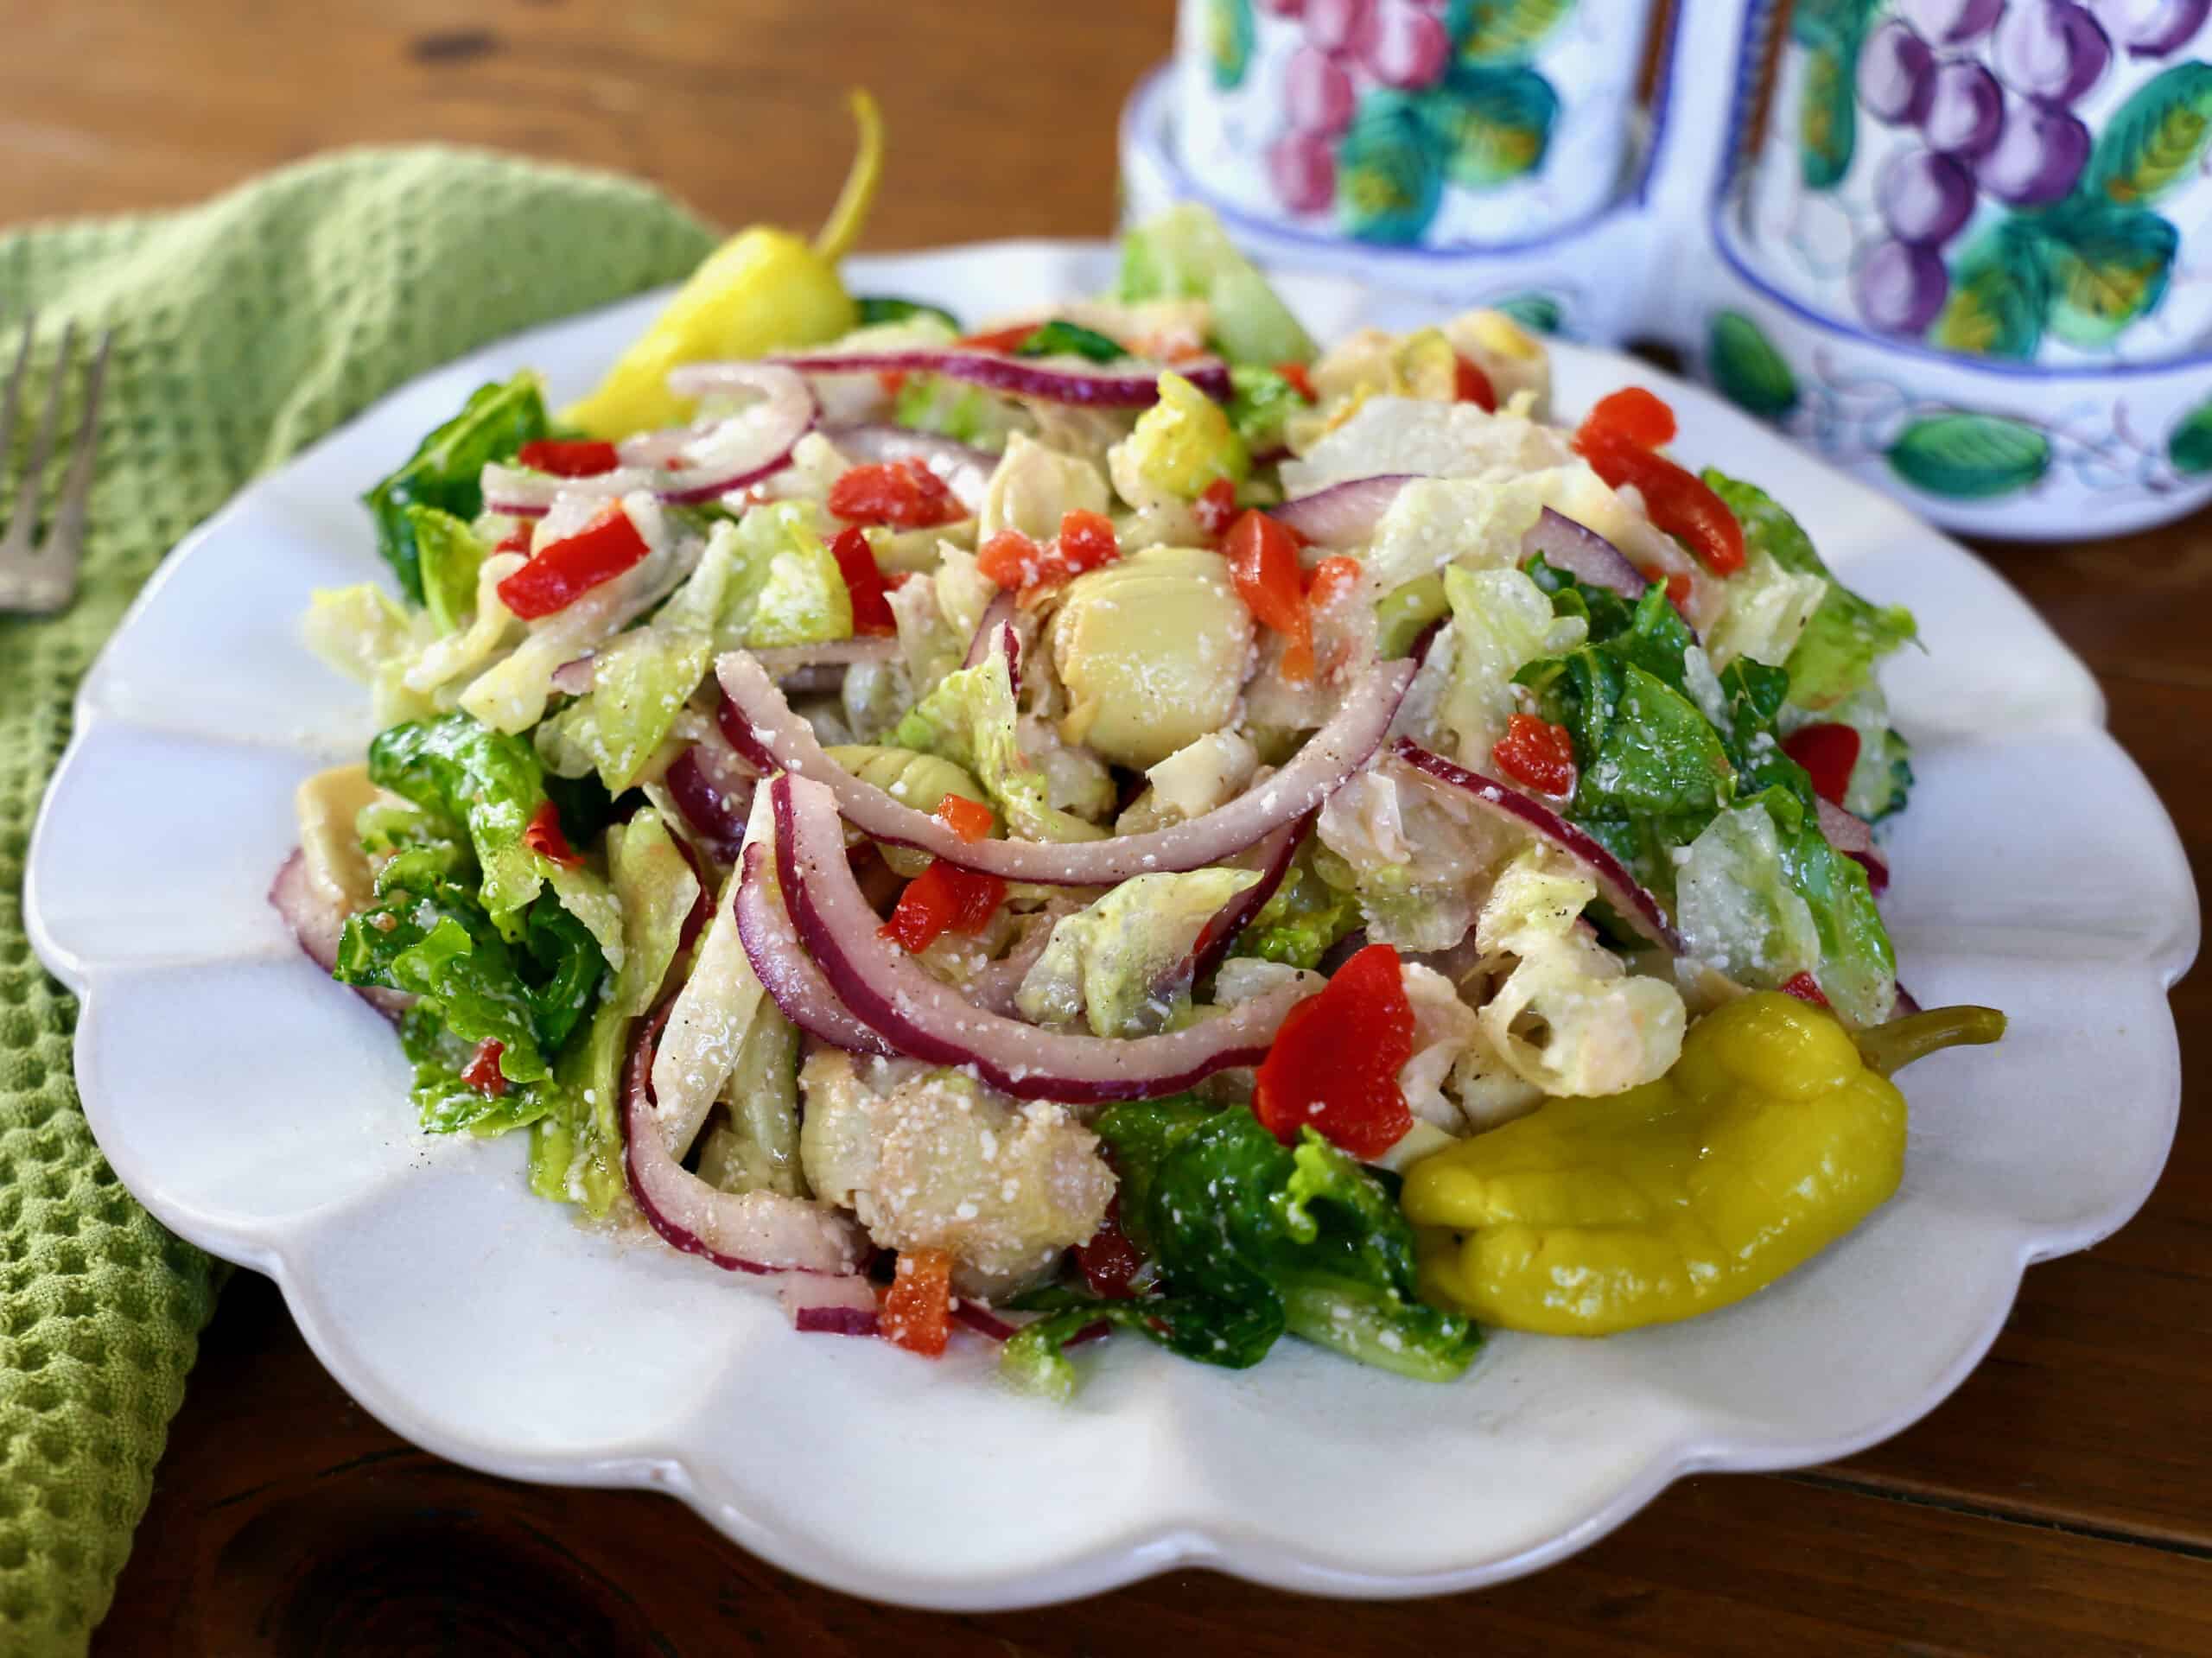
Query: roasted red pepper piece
{"type": "Point", "coordinates": [581, 457]}
{"type": "Point", "coordinates": [1678, 502]}
{"type": "Point", "coordinates": [544, 836]}
{"type": "Point", "coordinates": [918, 1307]}
{"type": "Point", "coordinates": [562, 572]}
{"type": "Point", "coordinates": [1109, 1262]}
{"type": "Point", "coordinates": [1829, 753]}
{"type": "Point", "coordinates": [1000, 338]}
{"type": "Point", "coordinates": [906, 494]}
{"type": "Point", "coordinates": [1536, 753]}
{"type": "Point", "coordinates": [1300, 381]}
{"type": "Point", "coordinates": [1335, 1062]}
{"type": "Point", "coordinates": [944, 897]}
{"type": "Point", "coordinates": [1215, 506]}
{"type": "Point", "coordinates": [970, 820]}
{"type": "Point", "coordinates": [1263, 563]}
{"type": "Point", "coordinates": [1331, 578]}
{"type": "Point", "coordinates": [1806, 987]}
{"type": "Point", "coordinates": [863, 582]}
{"type": "Point", "coordinates": [1019, 565]}
{"type": "Point", "coordinates": [482, 1071]}
{"type": "Point", "coordinates": [1472, 385]}
{"type": "Point", "coordinates": [1642, 417]}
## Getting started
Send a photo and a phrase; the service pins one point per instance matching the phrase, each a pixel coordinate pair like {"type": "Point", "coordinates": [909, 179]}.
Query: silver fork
{"type": "Point", "coordinates": [40, 573]}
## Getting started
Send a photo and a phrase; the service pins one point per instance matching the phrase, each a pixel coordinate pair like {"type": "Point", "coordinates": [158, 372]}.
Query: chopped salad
{"type": "Point", "coordinates": [1117, 820]}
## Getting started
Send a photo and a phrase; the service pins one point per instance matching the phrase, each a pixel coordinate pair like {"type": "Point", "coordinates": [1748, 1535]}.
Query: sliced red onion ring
{"type": "Point", "coordinates": [996, 627]}
{"type": "Point", "coordinates": [843, 1306]}
{"type": "Point", "coordinates": [741, 1232]}
{"type": "Point", "coordinates": [1615, 884]}
{"type": "Point", "coordinates": [983, 1321]}
{"type": "Point", "coordinates": [761, 727]}
{"type": "Point", "coordinates": [317, 922]}
{"type": "Point", "coordinates": [1853, 836]}
{"type": "Point", "coordinates": [1907, 1005]}
{"type": "Point", "coordinates": [995, 986]}
{"type": "Point", "coordinates": [1582, 553]}
{"type": "Point", "coordinates": [927, 1020]}
{"type": "Point", "coordinates": [718, 455]}
{"type": "Point", "coordinates": [1050, 381]}
{"type": "Point", "coordinates": [713, 788]}
{"type": "Point", "coordinates": [965, 471]}
{"type": "Point", "coordinates": [574, 677]}
{"type": "Point", "coordinates": [1273, 857]}
{"type": "Point", "coordinates": [1343, 515]}
{"type": "Point", "coordinates": [793, 981]}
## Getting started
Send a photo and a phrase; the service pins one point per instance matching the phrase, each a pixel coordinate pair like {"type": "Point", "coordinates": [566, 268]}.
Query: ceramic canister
{"type": "Point", "coordinates": [1433, 124]}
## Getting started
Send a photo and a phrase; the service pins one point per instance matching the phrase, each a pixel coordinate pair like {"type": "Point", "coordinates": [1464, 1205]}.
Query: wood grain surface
{"type": "Point", "coordinates": [2060, 1503]}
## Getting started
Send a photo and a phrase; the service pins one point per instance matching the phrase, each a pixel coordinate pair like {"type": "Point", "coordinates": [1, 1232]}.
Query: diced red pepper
{"type": "Point", "coordinates": [1109, 1262]}
{"type": "Point", "coordinates": [863, 582]}
{"type": "Point", "coordinates": [1677, 583]}
{"type": "Point", "coordinates": [1019, 565]}
{"type": "Point", "coordinates": [1536, 752]}
{"type": "Point", "coordinates": [482, 1071]}
{"type": "Point", "coordinates": [1215, 506]}
{"type": "Point", "coordinates": [1642, 417]}
{"type": "Point", "coordinates": [944, 897]}
{"type": "Point", "coordinates": [1263, 563]}
{"type": "Point", "coordinates": [1000, 338]}
{"type": "Point", "coordinates": [1829, 754]}
{"type": "Point", "coordinates": [562, 572]}
{"type": "Point", "coordinates": [1332, 578]}
{"type": "Point", "coordinates": [1336, 1059]}
{"type": "Point", "coordinates": [1472, 385]}
{"type": "Point", "coordinates": [1806, 987]}
{"type": "Point", "coordinates": [1678, 502]}
{"type": "Point", "coordinates": [580, 457]}
{"type": "Point", "coordinates": [918, 1307]}
{"type": "Point", "coordinates": [518, 541]}
{"type": "Point", "coordinates": [970, 820]}
{"type": "Point", "coordinates": [894, 580]}
{"type": "Point", "coordinates": [1300, 381]}
{"type": "Point", "coordinates": [904, 493]}
{"type": "Point", "coordinates": [544, 836]}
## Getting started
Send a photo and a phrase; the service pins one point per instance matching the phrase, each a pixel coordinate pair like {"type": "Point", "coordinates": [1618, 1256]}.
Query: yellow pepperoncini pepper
{"type": "Point", "coordinates": [1773, 1136]}
{"type": "Point", "coordinates": [764, 289]}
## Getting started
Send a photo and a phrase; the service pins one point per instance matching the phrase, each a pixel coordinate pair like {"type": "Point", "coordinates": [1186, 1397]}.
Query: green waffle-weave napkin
{"type": "Point", "coordinates": [244, 328]}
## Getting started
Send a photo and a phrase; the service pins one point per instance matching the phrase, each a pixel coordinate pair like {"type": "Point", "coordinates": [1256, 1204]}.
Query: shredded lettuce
{"type": "Point", "coordinates": [801, 598]}
{"type": "Point", "coordinates": [451, 555]}
{"type": "Point", "coordinates": [1304, 918]}
{"type": "Point", "coordinates": [1501, 621]}
{"type": "Point", "coordinates": [446, 470]}
{"type": "Point", "coordinates": [640, 682]}
{"type": "Point", "coordinates": [1183, 253]}
{"type": "Point", "coordinates": [969, 719]}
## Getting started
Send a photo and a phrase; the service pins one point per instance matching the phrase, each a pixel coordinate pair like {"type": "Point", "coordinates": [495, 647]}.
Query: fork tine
{"type": "Point", "coordinates": [24, 523]}
{"type": "Point", "coordinates": [64, 540]}
{"type": "Point", "coordinates": [14, 392]}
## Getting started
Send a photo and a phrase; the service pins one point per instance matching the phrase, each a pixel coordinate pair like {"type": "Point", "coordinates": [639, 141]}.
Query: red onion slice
{"type": "Point", "coordinates": [1615, 884]}
{"type": "Point", "coordinates": [965, 471]}
{"type": "Point", "coordinates": [929, 1021]}
{"type": "Point", "coordinates": [575, 676]}
{"type": "Point", "coordinates": [983, 1321]}
{"type": "Point", "coordinates": [317, 924]}
{"type": "Point", "coordinates": [740, 1232]}
{"type": "Point", "coordinates": [1050, 381]}
{"type": "Point", "coordinates": [843, 1306]}
{"type": "Point", "coordinates": [793, 981]}
{"type": "Point", "coordinates": [761, 727]}
{"type": "Point", "coordinates": [1343, 515]}
{"type": "Point", "coordinates": [784, 660]}
{"type": "Point", "coordinates": [1274, 856]}
{"type": "Point", "coordinates": [718, 455]}
{"type": "Point", "coordinates": [713, 788]}
{"type": "Point", "coordinates": [996, 626]}
{"type": "Point", "coordinates": [1853, 836]}
{"type": "Point", "coordinates": [1582, 553]}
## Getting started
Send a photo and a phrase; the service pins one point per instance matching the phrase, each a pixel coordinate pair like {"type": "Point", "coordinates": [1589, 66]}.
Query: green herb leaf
{"type": "Point", "coordinates": [1061, 338]}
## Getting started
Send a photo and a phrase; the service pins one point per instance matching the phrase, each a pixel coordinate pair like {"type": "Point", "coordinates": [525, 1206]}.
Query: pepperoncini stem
{"type": "Point", "coordinates": [842, 228]}
{"type": "Point", "coordinates": [1887, 1049]}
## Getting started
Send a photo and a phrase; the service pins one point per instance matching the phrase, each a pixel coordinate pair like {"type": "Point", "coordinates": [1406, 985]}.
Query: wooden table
{"type": "Point", "coordinates": [2060, 1503]}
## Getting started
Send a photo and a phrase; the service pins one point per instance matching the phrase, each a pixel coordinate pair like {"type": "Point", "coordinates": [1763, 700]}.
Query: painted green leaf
{"type": "Point", "coordinates": [1537, 313]}
{"type": "Point", "coordinates": [1827, 119]}
{"type": "Point", "coordinates": [1832, 22]}
{"type": "Point", "coordinates": [1390, 175]}
{"type": "Point", "coordinates": [1503, 31]}
{"type": "Point", "coordinates": [2190, 446]}
{"type": "Point", "coordinates": [1749, 371]}
{"type": "Point", "coordinates": [2000, 293]}
{"type": "Point", "coordinates": [1495, 125]}
{"type": "Point", "coordinates": [1968, 457]}
{"type": "Point", "coordinates": [2154, 141]}
{"type": "Point", "coordinates": [1229, 40]}
{"type": "Point", "coordinates": [2108, 266]}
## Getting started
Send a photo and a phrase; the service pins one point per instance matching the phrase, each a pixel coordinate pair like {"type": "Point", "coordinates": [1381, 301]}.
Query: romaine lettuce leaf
{"type": "Point", "coordinates": [1183, 253]}
{"type": "Point", "coordinates": [1114, 963]}
{"type": "Point", "coordinates": [1306, 915]}
{"type": "Point", "coordinates": [969, 719]}
{"type": "Point", "coordinates": [450, 555]}
{"type": "Point", "coordinates": [446, 470]}
{"type": "Point", "coordinates": [640, 682]}
{"type": "Point", "coordinates": [485, 781]}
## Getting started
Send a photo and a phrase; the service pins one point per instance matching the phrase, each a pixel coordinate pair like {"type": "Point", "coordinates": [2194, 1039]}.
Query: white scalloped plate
{"type": "Point", "coordinates": [260, 1112]}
